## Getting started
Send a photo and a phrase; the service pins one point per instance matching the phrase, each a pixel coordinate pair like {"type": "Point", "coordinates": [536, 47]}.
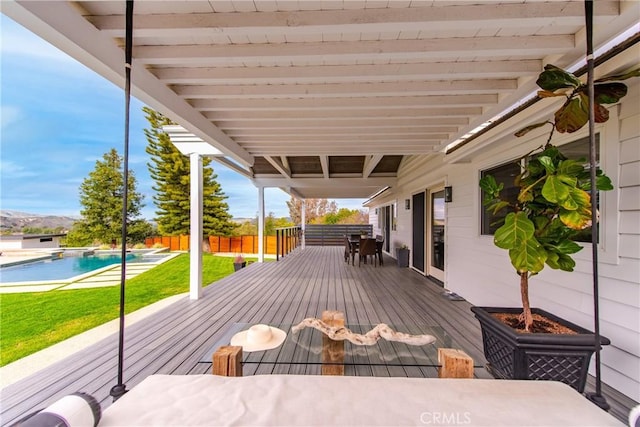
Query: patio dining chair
{"type": "Point", "coordinates": [347, 249]}
{"type": "Point", "coordinates": [367, 247]}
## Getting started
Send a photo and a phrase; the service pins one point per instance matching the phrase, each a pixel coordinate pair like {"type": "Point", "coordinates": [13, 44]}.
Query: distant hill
{"type": "Point", "coordinates": [15, 221]}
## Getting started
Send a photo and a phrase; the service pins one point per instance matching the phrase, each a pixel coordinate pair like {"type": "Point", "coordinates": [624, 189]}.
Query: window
{"type": "Point", "coordinates": [506, 173]}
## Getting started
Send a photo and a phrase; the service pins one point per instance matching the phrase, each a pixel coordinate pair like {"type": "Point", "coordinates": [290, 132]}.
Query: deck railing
{"type": "Point", "coordinates": [287, 239]}
{"type": "Point", "coordinates": [333, 234]}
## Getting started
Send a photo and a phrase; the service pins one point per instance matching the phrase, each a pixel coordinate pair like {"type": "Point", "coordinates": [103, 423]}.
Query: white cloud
{"type": "Point", "coordinates": [14, 170]}
{"type": "Point", "coordinates": [9, 115]}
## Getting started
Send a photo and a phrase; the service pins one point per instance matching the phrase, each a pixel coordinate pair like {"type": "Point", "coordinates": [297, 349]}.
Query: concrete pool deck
{"type": "Point", "coordinates": [106, 276]}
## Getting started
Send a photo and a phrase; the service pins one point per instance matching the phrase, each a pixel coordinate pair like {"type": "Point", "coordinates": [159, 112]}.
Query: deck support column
{"type": "Point", "coordinates": [260, 224]}
{"type": "Point", "coordinates": [195, 244]}
{"type": "Point", "coordinates": [303, 220]}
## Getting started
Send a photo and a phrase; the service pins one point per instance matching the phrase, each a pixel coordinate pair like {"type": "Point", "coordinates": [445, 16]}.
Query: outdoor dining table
{"type": "Point", "coordinates": [354, 244]}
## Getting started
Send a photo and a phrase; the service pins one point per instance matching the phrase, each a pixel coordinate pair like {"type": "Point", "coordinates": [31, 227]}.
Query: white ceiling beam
{"type": "Point", "coordinates": [363, 122]}
{"type": "Point", "coordinates": [505, 15]}
{"type": "Point", "coordinates": [324, 162]}
{"type": "Point", "coordinates": [279, 166]}
{"type": "Point", "coordinates": [331, 90]}
{"type": "Point", "coordinates": [237, 54]}
{"type": "Point", "coordinates": [370, 164]}
{"type": "Point", "coordinates": [399, 149]}
{"type": "Point", "coordinates": [302, 183]}
{"type": "Point", "coordinates": [327, 132]}
{"type": "Point", "coordinates": [337, 139]}
{"type": "Point", "coordinates": [234, 166]}
{"type": "Point", "coordinates": [382, 102]}
{"type": "Point", "coordinates": [285, 162]}
{"type": "Point", "coordinates": [351, 73]}
{"type": "Point", "coordinates": [220, 116]}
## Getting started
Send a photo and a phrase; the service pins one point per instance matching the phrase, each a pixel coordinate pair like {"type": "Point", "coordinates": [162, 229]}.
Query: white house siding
{"type": "Point", "coordinates": [482, 273]}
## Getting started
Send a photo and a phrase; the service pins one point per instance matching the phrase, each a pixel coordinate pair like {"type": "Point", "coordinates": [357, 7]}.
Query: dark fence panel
{"type": "Point", "coordinates": [333, 234]}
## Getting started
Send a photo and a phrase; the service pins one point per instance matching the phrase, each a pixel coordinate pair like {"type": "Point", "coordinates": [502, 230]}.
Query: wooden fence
{"type": "Point", "coordinates": [285, 240]}
{"type": "Point", "coordinates": [234, 244]}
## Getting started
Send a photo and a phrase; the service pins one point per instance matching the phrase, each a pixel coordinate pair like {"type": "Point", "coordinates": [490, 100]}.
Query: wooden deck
{"type": "Point", "coordinates": [303, 284]}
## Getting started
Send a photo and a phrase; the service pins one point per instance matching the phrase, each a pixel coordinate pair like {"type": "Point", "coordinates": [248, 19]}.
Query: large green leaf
{"type": "Point", "coordinates": [552, 260]}
{"type": "Point", "coordinates": [603, 183]}
{"type": "Point", "coordinates": [554, 190]}
{"type": "Point", "coordinates": [490, 186]}
{"type": "Point", "coordinates": [554, 78]}
{"type": "Point", "coordinates": [577, 219]}
{"type": "Point", "coordinates": [517, 228]}
{"type": "Point", "coordinates": [577, 199]}
{"type": "Point", "coordinates": [565, 263]}
{"type": "Point", "coordinates": [572, 115]}
{"type": "Point", "coordinates": [570, 167]}
{"type": "Point", "coordinates": [567, 247]}
{"type": "Point", "coordinates": [547, 163]}
{"type": "Point", "coordinates": [609, 93]}
{"type": "Point", "coordinates": [529, 256]}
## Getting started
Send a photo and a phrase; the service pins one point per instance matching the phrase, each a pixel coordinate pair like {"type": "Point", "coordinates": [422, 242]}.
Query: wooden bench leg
{"type": "Point", "coordinates": [454, 363]}
{"type": "Point", "coordinates": [227, 361]}
{"type": "Point", "coordinates": [332, 351]}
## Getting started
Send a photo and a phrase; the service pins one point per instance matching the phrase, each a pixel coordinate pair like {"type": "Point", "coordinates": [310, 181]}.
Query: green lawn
{"type": "Point", "coordinates": [32, 321]}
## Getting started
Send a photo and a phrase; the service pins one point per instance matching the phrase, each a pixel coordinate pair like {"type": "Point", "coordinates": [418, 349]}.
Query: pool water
{"type": "Point", "coordinates": [63, 268]}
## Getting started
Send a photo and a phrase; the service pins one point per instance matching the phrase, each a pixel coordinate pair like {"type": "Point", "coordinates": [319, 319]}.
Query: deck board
{"type": "Point", "coordinates": [302, 284]}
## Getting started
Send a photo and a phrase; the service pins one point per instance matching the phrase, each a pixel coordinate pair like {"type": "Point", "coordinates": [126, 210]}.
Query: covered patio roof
{"type": "Point", "coordinates": [326, 99]}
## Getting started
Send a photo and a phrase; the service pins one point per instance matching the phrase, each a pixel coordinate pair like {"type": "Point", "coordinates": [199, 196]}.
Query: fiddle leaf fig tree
{"type": "Point", "coordinates": [553, 204]}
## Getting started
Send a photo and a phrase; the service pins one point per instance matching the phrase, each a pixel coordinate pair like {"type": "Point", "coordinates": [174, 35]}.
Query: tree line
{"type": "Point", "coordinates": [101, 199]}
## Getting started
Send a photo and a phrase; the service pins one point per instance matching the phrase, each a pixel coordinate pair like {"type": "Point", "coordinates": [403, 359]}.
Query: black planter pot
{"type": "Point", "coordinates": [402, 257]}
{"type": "Point", "coordinates": [515, 355]}
{"type": "Point", "coordinates": [238, 265]}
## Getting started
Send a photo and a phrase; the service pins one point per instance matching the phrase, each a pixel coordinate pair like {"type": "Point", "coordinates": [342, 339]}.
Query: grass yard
{"type": "Point", "coordinates": [30, 322]}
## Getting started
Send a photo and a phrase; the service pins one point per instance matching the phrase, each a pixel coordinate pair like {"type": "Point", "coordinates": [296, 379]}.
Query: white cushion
{"type": "Point", "coordinates": [305, 400]}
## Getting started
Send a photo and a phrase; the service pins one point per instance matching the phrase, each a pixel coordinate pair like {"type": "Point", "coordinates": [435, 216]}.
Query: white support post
{"type": "Point", "coordinates": [260, 224]}
{"type": "Point", "coordinates": [195, 255]}
{"type": "Point", "coordinates": [303, 220]}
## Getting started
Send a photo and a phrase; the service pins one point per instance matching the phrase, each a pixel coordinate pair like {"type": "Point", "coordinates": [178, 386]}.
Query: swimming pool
{"type": "Point", "coordinates": [67, 267]}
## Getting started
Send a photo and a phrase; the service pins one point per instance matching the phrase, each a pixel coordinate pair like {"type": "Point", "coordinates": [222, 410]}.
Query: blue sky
{"type": "Point", "coordinates": [58, 117]}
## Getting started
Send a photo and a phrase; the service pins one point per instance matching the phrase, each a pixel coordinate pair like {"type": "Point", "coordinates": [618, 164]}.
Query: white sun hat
{"type": "Point", "coordinates": [259, 338]}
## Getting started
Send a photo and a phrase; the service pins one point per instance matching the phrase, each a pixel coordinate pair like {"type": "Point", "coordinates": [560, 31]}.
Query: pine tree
{"type": "Point", "coordinates": [101, 199]}
{"type": "Point", "coordinates": [170, 170]}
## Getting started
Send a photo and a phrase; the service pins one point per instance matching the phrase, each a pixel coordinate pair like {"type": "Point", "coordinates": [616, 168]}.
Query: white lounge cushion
{"type": "Point", "coordinates": [306, 400]}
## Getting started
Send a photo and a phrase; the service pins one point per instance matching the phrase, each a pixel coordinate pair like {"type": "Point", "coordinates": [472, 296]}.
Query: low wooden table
{"type": "Point", "coordinates": [312, 347]}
